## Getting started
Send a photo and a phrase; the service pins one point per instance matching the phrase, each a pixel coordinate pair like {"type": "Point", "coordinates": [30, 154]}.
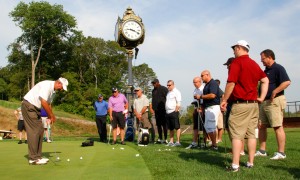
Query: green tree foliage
{"type": "Point", "coordinates": [42, 25]}
{"type": "Point", "coordinates": [52, 48]}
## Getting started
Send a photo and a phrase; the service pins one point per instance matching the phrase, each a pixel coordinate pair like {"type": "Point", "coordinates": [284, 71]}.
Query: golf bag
{"type": "Point", "coordinates": [88, 142]}
{"type": "Point", "coordinates": [130, 131]}
{"type": "Point", "coordinates": [143, 138]}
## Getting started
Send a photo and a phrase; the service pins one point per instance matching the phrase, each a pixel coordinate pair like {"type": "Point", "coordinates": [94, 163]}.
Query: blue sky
{"type": "Point", "coordinates": [185, 37]}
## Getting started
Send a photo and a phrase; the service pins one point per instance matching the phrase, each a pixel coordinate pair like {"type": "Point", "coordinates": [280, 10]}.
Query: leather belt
{"type": "Point", "coordinates": [244, 101]}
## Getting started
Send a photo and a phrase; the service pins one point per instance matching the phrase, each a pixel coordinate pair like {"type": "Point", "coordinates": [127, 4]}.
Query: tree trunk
{"type": "Point", "coordinates": [34, 62]}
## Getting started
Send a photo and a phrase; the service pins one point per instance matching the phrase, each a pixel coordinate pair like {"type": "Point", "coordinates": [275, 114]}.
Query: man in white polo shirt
{"type": "Point", "coordinates": [172, 109]}
{"type": "Point", "coordinates": [40, 96]}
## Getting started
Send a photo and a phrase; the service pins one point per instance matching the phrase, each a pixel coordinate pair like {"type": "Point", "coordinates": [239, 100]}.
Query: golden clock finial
{"type": "Point", "coordinates": [128, 11]}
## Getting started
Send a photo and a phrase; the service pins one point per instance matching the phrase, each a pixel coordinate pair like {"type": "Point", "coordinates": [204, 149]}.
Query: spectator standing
{"type": "Point", "coordinates": [21, 125]}
{"type": "Point", "coordinates": [140, 106]}
{"type": "Point", "coordinates": [272, 108]}
{"type": "Point", "coordinates": [159, 94]}
{"type": "Point", "coordinates": [101, 108]}
{"type": "Point", "coordinates": [211, 102]}
{"type": "Point", "coordinates": [40, 96]}
{"type": "Point", "coordinates": [46, 125]}
{"type": "Point", "coordinates": [198, 113]}
{"type": "Point", "coordinates": [220, 124]}
{"type": "Point", "coordinates": [173, 103]}
{"type": "Point", "coordinates": [241, 91]}
{"type": "Point", "coordinates": [117, 108]}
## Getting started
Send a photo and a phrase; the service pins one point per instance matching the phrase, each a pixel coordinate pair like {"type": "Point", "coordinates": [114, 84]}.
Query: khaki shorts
{"type": "Point", "coordinates": [243, 120]}
{"type": "Point", "coordinates": [45, 124]}
{"type": "Point", "coordinates": [220, 121]}
{"type": "Point", "coordinates": [145, 121]}
{"type": "Point", "coordinates": [271, 113]}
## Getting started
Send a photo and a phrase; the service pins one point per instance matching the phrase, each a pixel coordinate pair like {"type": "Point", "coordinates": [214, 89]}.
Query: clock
{"type": "Point", "coordinates": [132, 30]}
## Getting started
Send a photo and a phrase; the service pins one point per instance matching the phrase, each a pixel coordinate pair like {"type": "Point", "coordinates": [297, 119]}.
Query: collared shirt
{"type": "Point", "coordinates": [140, 103]}
{"type": "Point", "coordinates": [101, 108]}
{"type": "Point", "coordinates": [44, 90]}
{"type": "Point", "coordinates": [211, 87]}
{"type": "Point", "coordinates": [173, 100]}
{"type": "Point", "coordinates": [117, 103]}
{"type": "Point", "coordinates": [277, 75]}
{"type": "Point", "coordinates": [199, 91]}
{"type": "Point", "coordinates": [245, 73]}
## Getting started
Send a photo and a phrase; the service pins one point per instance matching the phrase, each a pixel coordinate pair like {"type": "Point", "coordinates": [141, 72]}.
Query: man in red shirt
{"type": "Point", "coordinates": [241, 91]}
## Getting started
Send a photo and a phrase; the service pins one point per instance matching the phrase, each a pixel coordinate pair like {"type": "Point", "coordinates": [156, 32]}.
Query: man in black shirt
{"type": "Point", "coordinates": [158, 108]}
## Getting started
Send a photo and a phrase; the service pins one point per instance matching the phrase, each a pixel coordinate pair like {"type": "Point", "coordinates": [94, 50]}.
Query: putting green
{"type": "Point", "coordinates": [101, 161]}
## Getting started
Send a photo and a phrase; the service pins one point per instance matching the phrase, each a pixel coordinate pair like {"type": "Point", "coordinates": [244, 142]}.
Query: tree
{"type": "Point", "coordinates": [3, 86]}
{"type": "Point", "coordinates": [41, 24]}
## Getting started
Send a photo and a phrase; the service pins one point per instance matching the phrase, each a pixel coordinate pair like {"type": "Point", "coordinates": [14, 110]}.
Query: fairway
{"type": "Point", "coordinates": [100, 161]}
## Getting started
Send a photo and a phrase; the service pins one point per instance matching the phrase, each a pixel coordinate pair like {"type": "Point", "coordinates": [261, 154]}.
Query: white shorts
{"type": "Point", "coordinates": [45, 124]}
{"type": "Point", "coordinates": [211, 118]}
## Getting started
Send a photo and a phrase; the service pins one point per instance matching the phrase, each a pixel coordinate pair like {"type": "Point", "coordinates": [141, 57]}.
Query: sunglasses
{"type": "Point", "coordinates": [169, 85]}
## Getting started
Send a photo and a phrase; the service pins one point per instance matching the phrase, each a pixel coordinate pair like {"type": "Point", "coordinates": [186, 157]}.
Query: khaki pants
{"type": "Point", "coordinates": [34, 128]}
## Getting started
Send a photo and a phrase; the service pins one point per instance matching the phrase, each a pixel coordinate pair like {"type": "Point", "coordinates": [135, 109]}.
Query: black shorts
{"type": "Point", "coordinates": [197, 123]}
{"type": "Point", "coordinates": [21, 125]}
{"type": "Point", "coordinates": [173, 121]}
{"type": "Point", "coordinates": [118, 119]}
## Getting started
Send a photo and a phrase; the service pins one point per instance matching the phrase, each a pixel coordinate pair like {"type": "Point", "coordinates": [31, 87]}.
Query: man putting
{"type": "Point", "coordinates": [40, 96]}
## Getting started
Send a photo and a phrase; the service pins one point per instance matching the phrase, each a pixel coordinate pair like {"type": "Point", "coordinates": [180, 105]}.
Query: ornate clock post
{"type": "Point", "coordinates": [129, 33]}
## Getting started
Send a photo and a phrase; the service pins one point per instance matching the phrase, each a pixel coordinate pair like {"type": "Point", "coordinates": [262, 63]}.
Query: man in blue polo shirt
{"type": "Point", "coordinates": [271, 109]}
{"type": "Point", "coordinates": [211, 102]}
{"type": "Point", "coordinates": [101, 107]}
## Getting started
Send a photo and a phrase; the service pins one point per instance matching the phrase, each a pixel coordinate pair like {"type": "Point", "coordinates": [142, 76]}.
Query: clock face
{"type": "Point", "coordinates": [132, 30]}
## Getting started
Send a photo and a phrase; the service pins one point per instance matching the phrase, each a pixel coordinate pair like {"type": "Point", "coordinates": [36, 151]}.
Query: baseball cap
{"type": "Point", "coordinates": [137, 89]}
{"type": "Point", "coordinates": [242, 43]}
{"type": "Point", "coordinates": [155, 81]}
{"type": "Point", "coordinates": [64, 82]}
{"type": "Point", "coordinates": [99, 96]}
{"type": "Point", "coordinates": [114, 89]}
{"type": "Point", "coordinates": [229, 61]}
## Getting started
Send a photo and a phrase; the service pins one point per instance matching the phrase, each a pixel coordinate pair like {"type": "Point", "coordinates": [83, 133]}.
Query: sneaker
{"type": "Point", "coordinates": [191, 146]}
{"type": "Point", "coordinates": [49, 141]}
{"type": "Point", "coordinates": [123, 143]}
{"type": "Point", "coordinates": [45, 159]}
{"type": "Point", "coordinates": [20, 142]}
{"type": "Point", "coordinates": [165, 142]}
{"type": "Point", "coordinates": [171, 144]}
{"type": "Point", "coordinates": [177, 144]}
{"type": "Point", "coordinates": [158, 141]}
{"type": "Point", "coordinates": [25, 141]}
{"type": "Point", "coordinates": [258, 153]}
{"type": "Point", "coordinates": [249, 165]}
{"type": "Point", "coordinates": [231, 169]}
{"type": "Point", "coordinates": [214, 148]}
{"type": "Point", "coordinates": [37, 162]}
{"type": "Point", "coordinates": [242, 153]}
{"type": "Point", "coordinates": [277, 156]}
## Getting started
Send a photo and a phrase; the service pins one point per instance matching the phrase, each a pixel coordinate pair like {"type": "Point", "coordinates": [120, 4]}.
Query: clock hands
{"type": "Point", "coordinates": [133, 31]}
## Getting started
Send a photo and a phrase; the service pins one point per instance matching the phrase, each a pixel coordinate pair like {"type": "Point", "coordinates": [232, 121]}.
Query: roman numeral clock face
{"type": "Point", "coordinates": [132, 30]}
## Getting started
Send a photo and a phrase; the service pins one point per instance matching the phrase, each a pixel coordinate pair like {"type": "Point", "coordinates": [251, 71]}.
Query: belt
{"type": "Point", "coordinates": [244, 101]}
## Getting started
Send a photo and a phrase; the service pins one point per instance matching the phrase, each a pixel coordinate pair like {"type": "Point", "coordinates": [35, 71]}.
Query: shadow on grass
{"type": "Point", "coordinates": [295, 172]}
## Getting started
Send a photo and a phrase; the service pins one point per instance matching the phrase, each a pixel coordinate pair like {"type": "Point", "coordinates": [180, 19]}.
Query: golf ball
{"type": "Point", "coordinates": [113, 148]}
{"type": "Point", "coordinates": [137, 155]}
{"type": "Point", "coordinates": [122, 148]}
{"type": "Point", "coordinates": [57, 158]}
{"type": "Point", "coordinates": [80, 157]}
{"type": "Point", "coordinates": [68, 160]}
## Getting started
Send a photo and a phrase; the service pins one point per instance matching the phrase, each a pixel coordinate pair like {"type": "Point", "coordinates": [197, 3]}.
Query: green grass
{"type": "Point", "coordinates": [155, 161]}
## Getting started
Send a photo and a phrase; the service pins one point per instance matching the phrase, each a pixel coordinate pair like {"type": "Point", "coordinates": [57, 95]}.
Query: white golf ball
{"type": "Point", "coordinates": [68, 160]}
{"type": "Point", "coordinates": [80, 157]}
{"type": "Point", "coordinates": [137, 155]}
{"type": "Point", "coordinates": [113, 148]}
{"type": "Point", "coordinates": [57, 158]}
{"type": "Point", "coordinates": [122, 148]}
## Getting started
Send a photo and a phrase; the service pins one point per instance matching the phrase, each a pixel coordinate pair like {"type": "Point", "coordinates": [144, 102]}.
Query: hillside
{"type": "Point", "coordinates": [62, 126]}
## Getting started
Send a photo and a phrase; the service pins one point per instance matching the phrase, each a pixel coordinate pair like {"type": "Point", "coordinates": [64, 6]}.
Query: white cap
{"type": "Point", "coordinates": [242, 43]}
{"type": "Point", "coordinates": [64, 82]}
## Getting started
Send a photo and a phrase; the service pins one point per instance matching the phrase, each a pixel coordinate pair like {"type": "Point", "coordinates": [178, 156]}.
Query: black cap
{"type": "Point", "coordinates": [114, 89]}
{"type": "Point", "coordinates": [229, 61]}
{"type": "Point", "coordinates": [155, 81]}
